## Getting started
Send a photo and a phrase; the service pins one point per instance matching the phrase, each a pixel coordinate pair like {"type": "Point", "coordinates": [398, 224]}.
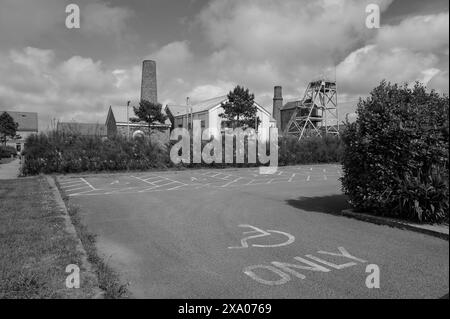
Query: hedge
{"type": "Point", "coordinates": [60, 153]}
{"type": "Point", "coordinates": [396, 155]}
{"type": "Point", "coordinates": [54, 152]}
{"type": "Point", "coordinates": [7, 151]}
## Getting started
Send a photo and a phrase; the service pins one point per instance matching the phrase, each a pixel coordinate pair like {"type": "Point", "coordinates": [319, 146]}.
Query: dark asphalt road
{"type": "Point", "coordinates": [176, 237]}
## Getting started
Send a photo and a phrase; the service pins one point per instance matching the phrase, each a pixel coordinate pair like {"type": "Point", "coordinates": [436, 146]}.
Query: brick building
{"type": "Point", "coordinates": [118, 122]}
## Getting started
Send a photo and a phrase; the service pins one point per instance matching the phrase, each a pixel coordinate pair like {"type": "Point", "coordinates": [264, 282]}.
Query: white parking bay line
{"type": "Point", "coordinates": [143, 180]}
{"type": "Point", "coordinates": [73, 185]}
{"type": "Point", "coordinates": [233, 181]}
{"type": "Point", "coordinates": [74, 189]}
{"type": "Point", "coordinates": [65, 182]}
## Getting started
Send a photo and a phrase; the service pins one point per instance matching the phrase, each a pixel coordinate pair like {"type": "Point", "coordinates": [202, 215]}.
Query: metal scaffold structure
{"type": "Point", "coordinates": [317, 113]}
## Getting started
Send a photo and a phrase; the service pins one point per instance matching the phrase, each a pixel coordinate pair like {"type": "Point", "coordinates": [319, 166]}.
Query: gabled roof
{"type": "Point", "coordinates": [87, 129]}
{"type": "Point", "coordinates": [120, 113]}
{"type": "Point", "coordinates": [28, 121]}
{"type": "Point", "coordinates": [178, 110]}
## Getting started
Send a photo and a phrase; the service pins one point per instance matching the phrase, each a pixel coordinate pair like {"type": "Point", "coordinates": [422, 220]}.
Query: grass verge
{"type": "Point", "coordinates": [108, 279]}
{"type": "Point", "coordinates": [35, 247]}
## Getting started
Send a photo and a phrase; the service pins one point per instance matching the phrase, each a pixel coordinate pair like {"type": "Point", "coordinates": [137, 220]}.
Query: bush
{"type": "Point", "coordinates": [327, 149]}
{"type": "Point", "coordinates": [60, 153]}
{"type": "Point", "coordinates": [7, 151]}
{"type": "Point", "coordinates": [396, 158]}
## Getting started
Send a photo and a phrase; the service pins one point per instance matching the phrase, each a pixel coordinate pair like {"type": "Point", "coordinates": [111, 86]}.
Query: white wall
{"type": "Point", "coordinates": [215, 120]}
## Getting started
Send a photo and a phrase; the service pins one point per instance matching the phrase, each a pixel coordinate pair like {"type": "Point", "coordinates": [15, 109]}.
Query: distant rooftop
{"type": "Point", "coordinates": [178, 110]}
{"type": "Point", "coordinates": [28, 121]}
{"type": "Point", "coordinates": [88, 129]}
{"type": "Point", "coordinates": [120, 115]}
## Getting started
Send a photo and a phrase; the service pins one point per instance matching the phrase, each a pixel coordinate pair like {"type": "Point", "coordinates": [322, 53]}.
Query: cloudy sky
{"type": "Point", "coordinates": [205, 47]}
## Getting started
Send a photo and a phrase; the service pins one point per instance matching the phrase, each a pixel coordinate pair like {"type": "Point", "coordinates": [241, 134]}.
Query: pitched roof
{"type": "Point", "coordinates": [120, 115]}
{"type": "Point", "coordinates": [178, 110]}
{"type": "Point", "coordinates": [28, 121]}
{"type": "Point", "coordinates": [82, 128]}
{"type": "Point", "coordinates": [205, 105]}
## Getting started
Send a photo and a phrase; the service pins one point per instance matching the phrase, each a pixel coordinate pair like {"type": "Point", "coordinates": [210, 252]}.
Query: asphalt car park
{"type": "Point", "coordinates": [236, 233]}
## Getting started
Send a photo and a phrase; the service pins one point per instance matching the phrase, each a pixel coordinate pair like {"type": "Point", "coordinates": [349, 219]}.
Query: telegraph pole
{"type": "Point", "coordinates": [128, 119]}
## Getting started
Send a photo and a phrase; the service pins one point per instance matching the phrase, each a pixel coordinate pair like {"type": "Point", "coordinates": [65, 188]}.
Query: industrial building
{"type": "Point", "coordinates": [118, 121]}
{"type": "Point", "coordinates": [316, 114]}
{"type": "Point", "coordinates": [208, 112]}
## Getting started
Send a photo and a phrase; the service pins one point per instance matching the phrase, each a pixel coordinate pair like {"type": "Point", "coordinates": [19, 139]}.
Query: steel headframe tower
{"type": "Point", "coordinates": [317, 114]}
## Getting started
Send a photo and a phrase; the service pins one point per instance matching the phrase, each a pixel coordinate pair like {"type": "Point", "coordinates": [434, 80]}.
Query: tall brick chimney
{"type": "Point", "coordinates": [148, 84]}
{"type": "Point", "coordinates": [277, 105]}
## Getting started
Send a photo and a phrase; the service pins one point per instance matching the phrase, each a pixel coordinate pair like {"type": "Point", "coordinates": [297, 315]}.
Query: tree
{"type": "Point", "coordinates": [8, 127]}
{"type": "Point", "coordinates": [240, 109]}
{"type": "Point", "coordinates": [149, 112]}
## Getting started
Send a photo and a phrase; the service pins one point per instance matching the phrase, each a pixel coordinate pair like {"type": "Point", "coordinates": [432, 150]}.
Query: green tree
{"type": "Point", "coordinates": [149, 112]}
{"type": "Point", "coordinates": [240, 109]}
{"type": "Point", "coordinates": [8, 127]}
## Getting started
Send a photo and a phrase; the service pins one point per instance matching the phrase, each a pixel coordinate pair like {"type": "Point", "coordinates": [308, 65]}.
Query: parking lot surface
{"type": "Point", "coordinates": [234, 233]}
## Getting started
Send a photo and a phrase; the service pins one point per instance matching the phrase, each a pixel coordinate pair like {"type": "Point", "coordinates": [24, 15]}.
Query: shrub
{"type": "Point", "coordinates": [55, 152]}
{"type": "Point", "coordinates": [326, 149]}
{"type": "Point", "coordinates": [7, 151]}
{"type": "Point", "coordinates": [60, 153]}
{"type": "Point", "coordinates": [395, 159]}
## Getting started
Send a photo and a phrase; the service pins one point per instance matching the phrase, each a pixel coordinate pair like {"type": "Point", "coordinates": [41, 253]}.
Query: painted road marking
{"type": "Point", "coordinates": [74, 189]}
{"type": "Point", "coordinates": [286, 270]}
{"type": "Point", "coordinates": [82, 184]}
{"type": "Point", "coordinates": [201, 179]}
{"type": "Point", "coordinates": [73, 185]}
{"type": "Point", "coordinates": [262, 233]}
{"type": "Point", "coordinates": [68, 183]}
{"type": "Point", "coordinates": [233, 181]}
{"type": "Point", "coordinates": [87, 183]}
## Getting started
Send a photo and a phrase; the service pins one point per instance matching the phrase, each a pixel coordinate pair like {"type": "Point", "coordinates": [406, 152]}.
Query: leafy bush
{"type": "Point", "coordinates": [60, 153]}
{"type": "Point", "coordinates": [7, 151]}
{"type": "Point", "coordinates": [327, 149]}
{"type": "Point", "coordinates": [396, 157]}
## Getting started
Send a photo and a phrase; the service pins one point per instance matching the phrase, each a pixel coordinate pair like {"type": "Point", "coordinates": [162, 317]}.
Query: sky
{"type": "Point", "coordinates": [203, 48]}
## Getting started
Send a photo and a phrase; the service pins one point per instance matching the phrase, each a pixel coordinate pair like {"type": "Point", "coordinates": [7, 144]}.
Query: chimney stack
{"type": "Point", "coordinates": [148, 84]}
{"type": "Point", "coordinates": [277, 105]}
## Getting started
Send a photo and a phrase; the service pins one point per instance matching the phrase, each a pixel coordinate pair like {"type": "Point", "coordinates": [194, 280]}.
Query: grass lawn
{"type": "Point", "coordinates": [35, 247]}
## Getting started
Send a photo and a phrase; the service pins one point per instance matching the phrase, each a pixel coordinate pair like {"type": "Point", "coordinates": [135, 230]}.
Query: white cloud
{"type": "Point", "coordinates": [255, 43]}
{"type": "Point", "coordinates": [99, 18]}
{"type": "Point", "coordinates": [414, 50]}
{"type": "Point", "coordinates": [78, 88]}
{"type": "Point", "coordinates": [208, 91]}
